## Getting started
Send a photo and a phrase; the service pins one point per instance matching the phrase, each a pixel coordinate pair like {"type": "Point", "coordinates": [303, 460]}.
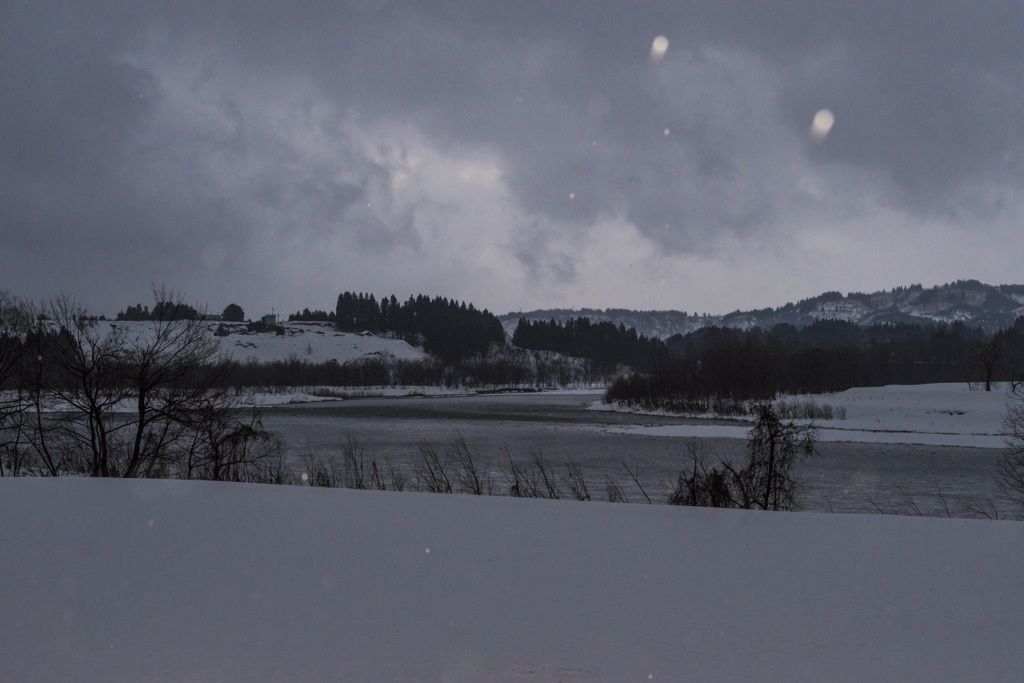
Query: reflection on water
{"type": "Point", "coordinates": [843, 477]}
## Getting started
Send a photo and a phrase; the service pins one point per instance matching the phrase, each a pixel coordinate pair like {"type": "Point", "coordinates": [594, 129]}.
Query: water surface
{"type": "Point", "coordinates": [844, 477]}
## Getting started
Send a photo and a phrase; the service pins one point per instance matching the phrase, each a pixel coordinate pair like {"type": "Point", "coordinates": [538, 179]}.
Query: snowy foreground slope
{"type": "Point", "coordinates": [200, 581]}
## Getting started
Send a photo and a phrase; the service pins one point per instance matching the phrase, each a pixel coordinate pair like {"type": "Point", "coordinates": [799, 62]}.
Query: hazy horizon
{"type": "Point", "coordinates": [215, 307]}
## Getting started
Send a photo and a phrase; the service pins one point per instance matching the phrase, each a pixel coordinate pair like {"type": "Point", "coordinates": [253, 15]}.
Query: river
{"type": "Point", "coordinates": [841, 477]}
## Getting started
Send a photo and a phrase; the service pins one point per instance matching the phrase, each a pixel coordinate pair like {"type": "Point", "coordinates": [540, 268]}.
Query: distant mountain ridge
{"type": "Point", "coordinates": [973, 303]}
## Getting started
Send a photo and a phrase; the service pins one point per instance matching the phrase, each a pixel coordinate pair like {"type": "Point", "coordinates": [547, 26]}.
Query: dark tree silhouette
{"type": "Point", "coordinates": [765, 481]}
{"type": "Point", "coordinates": [181, 419]}
{"type": "Point", "coordinates": [233, 313]}
{"type": "Point", "coordinates": [604, 343]}
{"type": "Point", "coordinates": [447, 329]}
{"type": "Point", "coordinates": [989, 352]}
{"type": "Point", "coordinates": [726, 364]}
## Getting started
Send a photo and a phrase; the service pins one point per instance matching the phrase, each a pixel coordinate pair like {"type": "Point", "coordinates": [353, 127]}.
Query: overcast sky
{"type": "Point", "coordinates": [517, 155]}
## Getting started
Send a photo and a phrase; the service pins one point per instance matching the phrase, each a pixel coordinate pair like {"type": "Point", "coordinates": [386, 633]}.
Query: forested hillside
{"type": "Point", "coordinates": [602, 342]}
{"type": "Point", "coordinates": [446, 328]}
{"type": "Point", "coordinates": [973, 303]}
{"type": "Point", "coordinates": [829, 355]}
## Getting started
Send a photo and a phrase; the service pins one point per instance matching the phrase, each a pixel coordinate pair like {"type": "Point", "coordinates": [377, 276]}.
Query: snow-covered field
{"type": "Point", "coordinates": [200, 581]}
{"type": "Point", "coordinates": [929, 414]}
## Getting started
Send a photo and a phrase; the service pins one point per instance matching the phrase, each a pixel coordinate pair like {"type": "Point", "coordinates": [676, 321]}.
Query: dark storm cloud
{"type": "Point", "coordinates": [931, 96]}
{"type": "Point", "coordinates": [159, 129]}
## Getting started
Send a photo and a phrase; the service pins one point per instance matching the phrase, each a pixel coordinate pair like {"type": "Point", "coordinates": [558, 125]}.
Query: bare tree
{"type": "Point", "coordinates": [14, 316]}
{"type": "Point", "coordinates": [171, 372]}
{"type": "Point", "coordinates": [13, 326]}
{"type": "Point", "coordinates": [35, 373]}
{"type": "Point", "coordinates": [133, 401]}
{"type": "Point", "coordinates": [701, 485]}
{"type": "Point", "coordinates": [988, 352]}
{"type": "Point", "coordinates": [773, 447]}
{"type": "Point", "coordinates": [764, 481]}
{"type": "Point", "coordinates": [225, 445]}
{"type": "Point", "coordinates": [75, 385]}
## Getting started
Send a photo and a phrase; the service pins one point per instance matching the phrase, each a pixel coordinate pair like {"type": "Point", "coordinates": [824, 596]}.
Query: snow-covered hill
{"type": "Point", "coordinates": [145, 580]}
{"type": "Point", "coordinates": [314, 342]}
{"type": "Point", "coordinates": [967, 301]}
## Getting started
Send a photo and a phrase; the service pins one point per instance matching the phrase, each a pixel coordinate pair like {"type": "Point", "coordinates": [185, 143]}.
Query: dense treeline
{"type": "Point", "coordinates": [507, 369]}
{"type": "Point", "coordinates": [447, 329]}
{"type": "Point", "coordinates": [163, 310]}
{"type": "Point", "coordinates": [827, 356]}
{"type": "Point", "coordinates": [602, 342]}
{"type": "Point", "coordinates": [308, 316]}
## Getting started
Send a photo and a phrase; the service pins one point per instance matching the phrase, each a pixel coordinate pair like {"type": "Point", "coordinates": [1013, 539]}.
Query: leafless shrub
{"type": "Point", "coordinates": [272, 469]}
{"type": "Point", "coordinates": [223, 447]}
{"type": "Point", "coordinates": [17, 460]}
{"type": "Point", "coordinates": [546, 475]}
{"type": "Point", "coordinates": [876, 506]}
{"type": "Point", "coordinates": [696, 405]}
{"type": "Point", "coordinates": [377, 476]}
{"type": "Point", "coordinates": [808, 409]}
{"type": "Point", "coordinates": [701, 485]}
{"type": "Point", "coordinates": [395, 476]}
{"type": "Point", "coordinates": [986, 509]}
{"type": "Point", "coordinates": [634, 474]}
{"type": "Point", "coordinates": [321, 471]}
{"type": "Point", "coordinates": [330, 392]}
{"type": "Point", "coordinates": [903, 504]}
{"type": "Point", "coordinates": [354, 467]}
{"type": "Point", "coordinates": [614, 492]}
{"type": "Point", "coordinates": [469, 470]}
{"type": "Point", "coordinates": [576, 481]}
{"type": "Point", "coordinates": [432, 470]}
{"type": "Point", "coordinates": [536, 478]}
{"type": "Point", "coordinates": [906, 504]}
{"type": "Point", "coordinates": [522, 481]}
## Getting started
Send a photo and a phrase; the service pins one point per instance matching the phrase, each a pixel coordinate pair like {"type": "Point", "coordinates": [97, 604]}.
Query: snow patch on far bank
{"type": "Point", "coordinates": [927, 414]}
